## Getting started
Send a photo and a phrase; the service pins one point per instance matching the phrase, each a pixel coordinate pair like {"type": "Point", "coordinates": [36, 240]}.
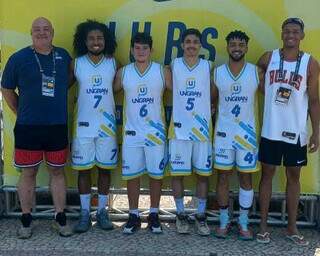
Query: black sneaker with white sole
{"type": "Point", "coordinates": [154, 223]}
{"type": "Point", "coordinates": [133, 224]}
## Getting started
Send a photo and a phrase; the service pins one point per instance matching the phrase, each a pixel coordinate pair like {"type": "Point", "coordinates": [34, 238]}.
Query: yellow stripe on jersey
{"type": "Point", "coordinates": [196, 132]}
{"type": "Point", "coordinates": [154, 139]}
{"type": "Point", "coordinates": [108, 131]}
{"type": "Point", "coordinates": [210, 129]}
{"type": "Point", "coordinates": [243, 143]}
{"type": "Point", "coordinates": [163, 113]}
{"type": "Point", "coordinates": [75, 120]}
{"type": "Point", "coordinates": [171, 133]}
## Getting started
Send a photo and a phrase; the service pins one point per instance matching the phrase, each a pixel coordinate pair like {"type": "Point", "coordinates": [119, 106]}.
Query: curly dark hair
{"type": "Point", "coordinates": [80, 37]}
{"type": "Point", "coordinates": [237, 34]}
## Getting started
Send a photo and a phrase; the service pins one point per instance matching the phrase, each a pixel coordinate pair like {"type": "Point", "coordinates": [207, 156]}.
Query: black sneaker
{"type": "Point", "coordinates": [154, 223]}
{"type": "Point", "coordinates": [132, 225]}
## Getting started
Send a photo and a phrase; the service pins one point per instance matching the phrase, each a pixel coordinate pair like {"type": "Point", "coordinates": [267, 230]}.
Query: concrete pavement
{"type": "Point", "coordinates": [46, 242]}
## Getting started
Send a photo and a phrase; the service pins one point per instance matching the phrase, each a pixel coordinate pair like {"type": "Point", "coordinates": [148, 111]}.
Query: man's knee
{"type": "Point", "coordinates": [268, 172]}
{"type": "Point", "coordinates": [223, 176]}
{"type": "Point", "coordinates": [56, 172]}
{"type": "Point", "coordinates": [84, 173]}
{"type": "Point", "coordinates": [202, 179]}
{"type": "Point", "coordinates": [104, 172]}
{"type": "Point", "coordinates": [293, 174]}
{"type": "Point", "coordinates": [245, 181]}
{"type": "Point", "coordinates": [29, 173]}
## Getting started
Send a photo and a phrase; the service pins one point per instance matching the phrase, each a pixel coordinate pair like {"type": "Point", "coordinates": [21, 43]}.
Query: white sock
{"type": "Point", "coordinates": [154, 210]}
{"type": "Point", "coordinates": [179, 205]}
{"type": "Point", "coordinates": [85, 201]}
{"type": "Point", "coordinates": [202, 203]}
{"type": "Point", "coordinates": [102, 201]}
{"type": "Point", "coordinates": [134, 211]}
{"type": "Point", "coordinates": [245, 198]}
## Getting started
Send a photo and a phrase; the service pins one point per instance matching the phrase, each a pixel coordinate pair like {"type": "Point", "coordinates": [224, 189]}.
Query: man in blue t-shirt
{"type": "Point", "coordinates": [40, 73]}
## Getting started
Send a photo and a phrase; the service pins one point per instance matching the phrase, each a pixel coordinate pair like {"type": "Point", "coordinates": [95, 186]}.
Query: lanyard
{"type": "Point", "coordinates": [39, 64]}
{"type": "Point", "coordinates": [296, 71]}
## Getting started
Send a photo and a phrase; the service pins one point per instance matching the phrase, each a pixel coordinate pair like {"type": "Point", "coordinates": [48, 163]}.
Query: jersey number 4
{"type": "Point", "coordinates": [236, 110]}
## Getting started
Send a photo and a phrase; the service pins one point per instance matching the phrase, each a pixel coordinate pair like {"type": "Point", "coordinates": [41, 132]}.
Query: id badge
{"type": "Point", "coordinates": [283, 95]}
{"type": "Point", "coordinates": [48, 84]}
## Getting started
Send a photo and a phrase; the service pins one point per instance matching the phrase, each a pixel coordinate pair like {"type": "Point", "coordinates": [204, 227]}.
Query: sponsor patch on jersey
{"type": "Point", "coordinates": [176, 124]}
{"type": "Point", "coordinates": [221, 134]}
{"type": "Point", "coordinates": [130, 133]}
{"type": "Point", "coordinates": [84, 124]}
{"type": "Point", "coordinates": [289, 135]}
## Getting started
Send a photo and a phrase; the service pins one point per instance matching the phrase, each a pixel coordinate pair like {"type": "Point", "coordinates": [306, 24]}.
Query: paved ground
{"type": "Point", "coordinates": [97, 242]}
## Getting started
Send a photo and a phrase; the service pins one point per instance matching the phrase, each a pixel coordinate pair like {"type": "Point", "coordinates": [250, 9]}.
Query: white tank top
{"type": "Point", "coordinates": [143, 111]}
{"type": "Point", "coordinates": [191, 110]}
{"type": "Point", "coordinates": [236, 125]}
{"type": "Point", "coordinates": [285, 105]}
{"type": "Point", "coordinates": [95, 108]}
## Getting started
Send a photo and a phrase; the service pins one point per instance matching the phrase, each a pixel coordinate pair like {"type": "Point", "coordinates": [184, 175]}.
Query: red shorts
{"type": "Point", "coordinates": [32, 142]}
{"type": "Point", "coordinates": [29, 158]}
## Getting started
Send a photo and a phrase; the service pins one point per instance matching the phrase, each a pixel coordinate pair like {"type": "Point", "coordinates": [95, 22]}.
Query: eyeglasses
{"type": "Point", "coordinates": [297, 21]}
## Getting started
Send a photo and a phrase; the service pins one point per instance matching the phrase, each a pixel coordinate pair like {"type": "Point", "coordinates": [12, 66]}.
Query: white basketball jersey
{"type": "Point", "coordinates": [143, 112]}
{"type": "Point", "coordinates": [286, 103]}
{"type": "Point", "coordinates": [236, 125]}
{"type": "Point", "coordinates": [191, 110]}
{"type": "Point", "coordinates": [95, 109]}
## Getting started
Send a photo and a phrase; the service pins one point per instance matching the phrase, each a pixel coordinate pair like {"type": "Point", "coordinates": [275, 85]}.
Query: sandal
{"type": "Point", "coordinates": [298, 240]}
{"type": "Point", "coordinates": [263, 238]}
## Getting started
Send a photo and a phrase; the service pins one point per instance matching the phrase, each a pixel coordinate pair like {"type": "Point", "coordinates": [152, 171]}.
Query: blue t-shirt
{"type": "Point", "coordinates": [22, 72]}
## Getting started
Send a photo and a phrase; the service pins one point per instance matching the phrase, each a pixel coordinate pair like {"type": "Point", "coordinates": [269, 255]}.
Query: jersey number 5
{"type": "Point", "coordinates": [190, 104]}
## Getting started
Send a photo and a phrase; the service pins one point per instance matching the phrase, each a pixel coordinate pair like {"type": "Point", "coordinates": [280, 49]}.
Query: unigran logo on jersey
{"type": "Point", "coordinates": [190, 88]}
{"type": "Point", "coordinates": [96, 82]}
{"type": "Point", "coordinates": [143, 91]}
{"type": "Point", "coordinates": [235, 90]}
{"type": "Point", "coordinates": [191, 83]}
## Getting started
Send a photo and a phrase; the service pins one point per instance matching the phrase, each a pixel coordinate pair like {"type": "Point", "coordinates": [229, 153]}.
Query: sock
{"type": "Point", "coordinates": [243, 218]}
{"type": "Point", "coordinates": [102, 201]}
{"type": "Point", "coordinates": [26, 219]}
{"type": "Point", "coordinates": [179, 205]}
{"type": "Point", "coordinates": [245, 198]}
{"type": "Point", "coordinates": [61, 218]}
{"type": "Point", "coordinates": [85, 201]}
{"type": "Point", "coordinates": [224, 217]}
{"type": "Point", "coordinates": [202, 203]}
{"type": "Point", "coordinates": [154, 210]}
{"type": "Point", "coordinates": [134, 211]}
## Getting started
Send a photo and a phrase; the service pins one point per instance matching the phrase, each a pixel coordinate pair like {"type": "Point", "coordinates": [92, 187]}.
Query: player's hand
{"type": "Point", "coordinates": [313, 143]}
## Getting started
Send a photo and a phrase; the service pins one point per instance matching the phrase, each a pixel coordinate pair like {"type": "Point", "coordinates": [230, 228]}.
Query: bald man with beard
{"type": "Point", "coordinates": [34, 85]}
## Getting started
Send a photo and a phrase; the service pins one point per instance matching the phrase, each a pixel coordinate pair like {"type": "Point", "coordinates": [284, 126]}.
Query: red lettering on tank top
{"type": "Point", "coordinates": [271, 77]}
{"type": "Point", "coordinates": [288, 79]}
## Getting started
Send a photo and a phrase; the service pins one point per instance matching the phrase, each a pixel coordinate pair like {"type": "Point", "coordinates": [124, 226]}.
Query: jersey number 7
{"type": "Point", "coordinates": [98, 98]}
